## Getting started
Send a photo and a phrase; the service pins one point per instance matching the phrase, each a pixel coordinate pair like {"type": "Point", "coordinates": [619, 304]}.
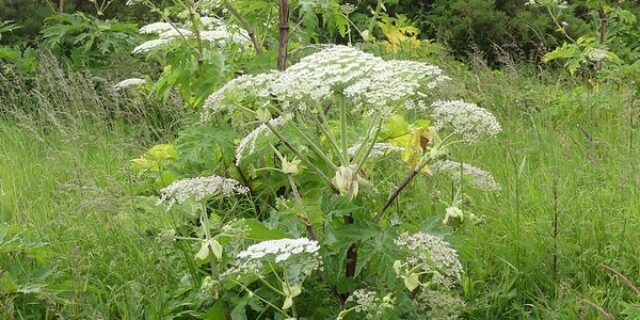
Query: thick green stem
{"type": "Point", "coordinates": [301, 156]}
{"type": "Point", "coordinates": [343, 132]}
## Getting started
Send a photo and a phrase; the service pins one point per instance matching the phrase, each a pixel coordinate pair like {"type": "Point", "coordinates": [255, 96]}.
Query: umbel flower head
{"type": "Point", "coordinates": [282, 249]}
{"type": "Point", "coordinates": [303, 253]}
{"type": "Point", "coordinates": [200, 188]}
{"type": "Point", "coordinates": [433, 256]}
{"type": "Point", "coordinates": [465, 119]}
{"type": "Point", "coordinates": [248, 143]}
{"type": "Point", "coordinates": [127, 83]}
{"type": "Point", "coordinates": [478, 178]}
{"type": "Point", "coordinates": [364, 79]}
{"type": "Point", "coordinates": [214, 32]}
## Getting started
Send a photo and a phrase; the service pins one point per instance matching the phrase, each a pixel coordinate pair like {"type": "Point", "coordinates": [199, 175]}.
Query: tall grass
{"type": "Point", "coordinates": [567, 161]}
{"type": "Point", "coordinates": [83, 246]}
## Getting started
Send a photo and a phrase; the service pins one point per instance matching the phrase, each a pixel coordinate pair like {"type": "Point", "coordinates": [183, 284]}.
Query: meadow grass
{"type": "Point", "coordinates": [567, 162]}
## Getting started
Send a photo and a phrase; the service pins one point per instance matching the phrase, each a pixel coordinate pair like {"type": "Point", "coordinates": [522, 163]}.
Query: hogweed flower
{"type": "Point", "coordinates": [364, 79]}
{"type": "Point", "coordinates": [210, 245]}
{"type": "Point", "coordinates": [437, 304]}
{"type": "Point", "coordinates": [248, 144]}
{"type": "Point", "coordinates": [149, 45]}
{"type": "Point", "coordinates": [247, 85]}
{"type": "Point", "coordinates": [478, 178]}
{"type": "Point", "coordinates": [465, 119]}
{"type": "Point", "coordinates": [348, 182]}
{"type": "Point", "coordinates": [367, 301]}
{"type": "Point", "coordinates": [282, 249]}
{"type": "Point", "coordinates": [127, 83]}
{"type": "Point", "coordinates": [219, 35]}
{"type": "Point", "coordinates": [200, 188]}
{"type": "Point", "coordinates": [433, 256]}
{"type": "Point", "coordinates": [155, 27]}
{"type": "Point", "coordinates": [453, 214]}
{"type": "Point", "coordinates": [302, 252]}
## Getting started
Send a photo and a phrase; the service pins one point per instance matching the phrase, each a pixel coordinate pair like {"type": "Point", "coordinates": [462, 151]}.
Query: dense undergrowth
{"type": "Point", "coordinates": [78, 243]}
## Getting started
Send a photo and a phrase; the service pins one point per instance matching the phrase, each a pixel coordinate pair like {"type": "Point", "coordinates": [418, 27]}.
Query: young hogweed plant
{"type": "Point", "coordinates": [333, 118]}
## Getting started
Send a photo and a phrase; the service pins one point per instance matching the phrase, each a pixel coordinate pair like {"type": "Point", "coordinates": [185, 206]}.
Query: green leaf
{"type": "Point", "coordinates": [259, 232]}
{"type": "Point", "coordinates": [217, 312]}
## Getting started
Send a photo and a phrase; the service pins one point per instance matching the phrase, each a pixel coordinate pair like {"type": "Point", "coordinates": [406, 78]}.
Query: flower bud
{"type": "Point", "coordinates": [453, 216]}
{"type": "Point", "coordinates": [290, 167]}
{"type": "Point", "coordinates": [346, 183]}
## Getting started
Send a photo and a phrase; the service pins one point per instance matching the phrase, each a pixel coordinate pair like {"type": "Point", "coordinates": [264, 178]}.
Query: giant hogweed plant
{"type": "Point", "coordinates": [317, 213]}
{"type": "Point", "coordinates": [195, 47]}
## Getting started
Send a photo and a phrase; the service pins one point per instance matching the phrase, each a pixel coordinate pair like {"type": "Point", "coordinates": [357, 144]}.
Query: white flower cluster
{"type": "Point", "coordinates": [304, 253]}
{"type": "Point", "coordinates": [282, 249]}
{"type": "Point", "coordinates": [598, 55]}
{"type": "Point", "coordinates": [439, 304]}
{"type": "Point", "coordinates": [367, 301]}
{"type": "Point", "coordinates": [200, 188]}
{"type": "Point", "coordinates": [394, 80]}
{"type": "Point", "coordinates": [464, 118]}
{"type": "Point", "coordinates": [562, 4]}
{"type": "Point", "coordinates": [362, 77]}
{"type": "Point", "coordinates": [434, 255]}
{"type": "Point", "coordinates": [479, 179]}
{"type": "Point", "coordinates": [215, 32]}
{"type": "Point", "coordinates": [133, 82]}
{"type": "Point", "coordinates": [248, 143]}
{"type": "Point", "coordinates": [379, 149]}
{"type": "Point", "coordinates": [247, 85]}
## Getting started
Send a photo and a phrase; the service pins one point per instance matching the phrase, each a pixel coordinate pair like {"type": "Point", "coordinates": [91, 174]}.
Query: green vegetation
{"type": "Point", "coordinates": [345, 186]}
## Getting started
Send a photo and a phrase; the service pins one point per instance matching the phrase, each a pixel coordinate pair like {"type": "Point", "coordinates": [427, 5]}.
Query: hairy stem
{"type": "Point", "coordinates": [196, 32]}
{"type": "Point", "coordinates": [284, 35]}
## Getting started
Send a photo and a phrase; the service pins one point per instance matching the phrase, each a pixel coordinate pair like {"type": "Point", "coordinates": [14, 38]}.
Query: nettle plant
{"type": "Point", "coordinates": [315, 228]}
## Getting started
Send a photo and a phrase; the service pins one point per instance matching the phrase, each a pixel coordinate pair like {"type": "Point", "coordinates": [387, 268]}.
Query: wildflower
{"type": "Point", "coordinates": [156, 27]}
{"type": "Point", "coordinates": [465, 119]}
{"type": "Point", "coordinates": [362, 77]}
{"type": "Point", "coordinates": [200, 188]}
{"type": "Point", "coordinates": [453, 214]}
{"type": "Point", "coordinates": [248, 143]}
{"type": "Point", "coordinates": [392, 81]}
{"type": "Point", "coordinates": [175, 33]}
{"type": "Point", "coordinates": [149, 45]}
{"type": "Point", "coordinates": [290, 167]}
{"type": "Point", "coordinates": [301, 253]}
{"type": "Point", "coordinates": [437, 304]}
{"type": "Point", "coordinates": [282, 249]}
{"type": "Point", "coordinates": [597, 55]}
{"type": "Point", "coordinates": [210, 245]}
{"type": "Point", "coordinates": [221, 35]}
{"type": "Point", "coordinates": [248, 85]}
{"type": "Point", "coordinates": [479, 179]}
{"type": "Point", "coordinates": [433, 255]}
{"type": "Point", "coordinates": [133, 82]}
{"type": "Point", "coordinates": [167, 236]}
{"type": "Point", "coordinates": [367, 301]}
{"type": "Point", "coordinates": [346, 181]}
